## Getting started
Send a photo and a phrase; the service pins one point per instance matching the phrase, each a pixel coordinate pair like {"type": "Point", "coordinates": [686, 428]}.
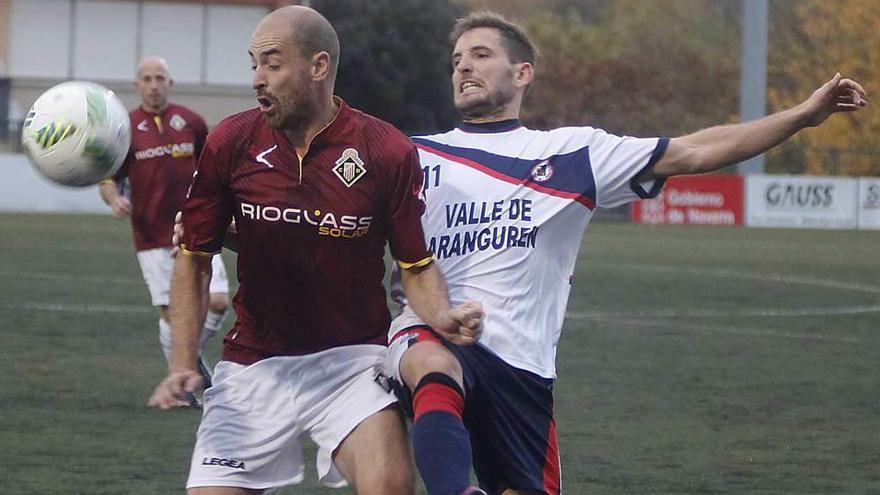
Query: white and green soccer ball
{"type": "Point", "coordinates": [77, 133]}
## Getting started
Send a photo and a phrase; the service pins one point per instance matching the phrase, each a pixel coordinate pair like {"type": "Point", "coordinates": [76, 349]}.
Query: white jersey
{"type": "Point", "coordinates": [507, 208]}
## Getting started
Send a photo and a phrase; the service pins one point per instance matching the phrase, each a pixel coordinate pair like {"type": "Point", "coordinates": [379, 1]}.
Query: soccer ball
{"type": "Point", "coordinates": [77, 133]}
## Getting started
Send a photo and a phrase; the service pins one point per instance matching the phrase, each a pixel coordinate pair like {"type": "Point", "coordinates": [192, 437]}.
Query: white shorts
{"type": "Point", "coordinates": [157, 265]}
{"type": "Point", "coordinates": [254, 415]}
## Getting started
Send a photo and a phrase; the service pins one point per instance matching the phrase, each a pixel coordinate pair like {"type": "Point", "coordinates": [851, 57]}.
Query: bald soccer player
{"type": "Point", "coordinates": [165, 145]}
{"type": "Point", "coordinates": [316, 189]}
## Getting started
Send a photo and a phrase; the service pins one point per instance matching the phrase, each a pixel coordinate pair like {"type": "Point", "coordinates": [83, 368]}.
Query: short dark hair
{"type": "Point", "coordinates": [515, 41]}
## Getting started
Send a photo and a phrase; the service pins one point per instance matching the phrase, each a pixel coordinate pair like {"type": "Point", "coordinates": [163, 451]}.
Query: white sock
{"type": "Point", "coordinates": [165, 339]}
{"type": "Point", "coordinates": [213, 324]}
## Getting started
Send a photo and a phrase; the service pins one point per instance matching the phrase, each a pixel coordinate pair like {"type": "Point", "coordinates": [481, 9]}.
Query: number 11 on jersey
{"type": "Point", "coordinates": [429, 172]}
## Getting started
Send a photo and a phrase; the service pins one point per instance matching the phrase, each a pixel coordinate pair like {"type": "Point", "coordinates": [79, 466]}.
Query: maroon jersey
{"type": "Point", "coordinates": [159, 166]}
{"type": "Point", "coordinates": [311, 232]}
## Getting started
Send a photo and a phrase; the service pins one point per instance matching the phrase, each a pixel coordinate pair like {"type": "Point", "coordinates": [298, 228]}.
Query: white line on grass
{"type": "Point", "coordinates": [80, 308]}
{"type": "Point", "coordinates": [763, 277]}
{"type": "Point", "coordinates": [721, 313]}
{"type": "Point", "coordinates": [101, 279]}
{"type": "Point", "coordinates": [631, 317]}
{"type": "Point", "coordinates": [732, 330]}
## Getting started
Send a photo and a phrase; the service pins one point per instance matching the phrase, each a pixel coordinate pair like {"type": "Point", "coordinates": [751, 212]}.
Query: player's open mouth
{"type": "Point", "coordinates": [469, 86]}
{"type": "Point", "coordinates": [265, 104]}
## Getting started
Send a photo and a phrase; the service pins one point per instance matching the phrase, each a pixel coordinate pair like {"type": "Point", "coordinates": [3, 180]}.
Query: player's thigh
{"type": "Point", "coordinates": [375, 456]}
{"type": "Point", "coordinates": [219, 279]}
{"type": "Point", "coordinates": [156, 267]}
{"type": "Point", "coordinates": [509, 414]}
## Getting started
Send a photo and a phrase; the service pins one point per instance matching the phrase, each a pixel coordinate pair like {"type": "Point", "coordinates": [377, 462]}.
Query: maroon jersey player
{"type": "Point", "coordinates": [166, 142]}
{"type": "Point", "coordinates": [316, 190]}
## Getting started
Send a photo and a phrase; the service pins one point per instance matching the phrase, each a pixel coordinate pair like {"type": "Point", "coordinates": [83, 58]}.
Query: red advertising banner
{"type": "Point", "coordinates": [696, 200]}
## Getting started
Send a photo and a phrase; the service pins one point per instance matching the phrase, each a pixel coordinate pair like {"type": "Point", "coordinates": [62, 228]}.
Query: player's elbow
{"type": "Point", "coordinates": [682, 158]}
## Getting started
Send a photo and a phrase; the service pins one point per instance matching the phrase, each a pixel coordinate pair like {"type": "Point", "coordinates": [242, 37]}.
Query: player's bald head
{"type": "Point", "coordinates": [153, 65]}
{"type": "Point", "coordinates": [306, 28]}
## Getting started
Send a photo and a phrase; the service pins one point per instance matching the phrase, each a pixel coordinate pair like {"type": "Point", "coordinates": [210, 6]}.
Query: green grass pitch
{"type": "Point", "coordinates": [693, 360]}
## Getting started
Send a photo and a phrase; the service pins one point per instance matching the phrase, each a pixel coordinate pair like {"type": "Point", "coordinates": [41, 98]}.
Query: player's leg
{"type": "Point", "coordinates": [156, 267]}
{"type": "Point", "coordinates": [383, 470]}
{"type": "Point", "coordinates": [248, 438]}
{"type": "Point", "coordinates": [165, 332]}
{"type": "Point", "coordinates": [360, 434]}
{"type": "Point", "coordinates": [218, 300]}
{"type": "Point", "coordinates": [512, 427]}
{"type": "Point", "coordinates": [433, 375]}
{"type": "Point", "coordinates": [218, 305]}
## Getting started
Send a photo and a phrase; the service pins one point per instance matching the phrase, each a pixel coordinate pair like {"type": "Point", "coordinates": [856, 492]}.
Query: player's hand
{"type": "Point", "coordinates": [463, 324]}
{"type": "Point", "coordinates": [121, 207]}
{"type": "Point", "coordinates": [837, 95]}
{"type": "Point", "coordinates": [177, 236]}
{"type": "Point", "coordinates": [173, 390]}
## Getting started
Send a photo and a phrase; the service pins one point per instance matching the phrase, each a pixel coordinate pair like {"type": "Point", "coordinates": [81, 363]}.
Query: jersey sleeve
{"type": "Point", "coordinates": [406, 237]}
{"type": "Point", "coordinates": [208, 207]}
{"type": "Point", "coordinates": [617, 161]}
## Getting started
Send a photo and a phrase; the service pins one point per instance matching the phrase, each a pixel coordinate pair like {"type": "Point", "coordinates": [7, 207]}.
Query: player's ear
{"type": "Point", "coordinates": [321, 66]}
{"type": "Point", "coordinates": [170, 82]}
{"type": "Point", "coordinates": [525, 74]}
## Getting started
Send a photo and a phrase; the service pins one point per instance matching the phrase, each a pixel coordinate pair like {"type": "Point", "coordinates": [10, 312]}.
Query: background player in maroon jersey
{"type": "Point", "coordinates": [165, 145]}
{"type": "Point", "coordinates": [316, 190]}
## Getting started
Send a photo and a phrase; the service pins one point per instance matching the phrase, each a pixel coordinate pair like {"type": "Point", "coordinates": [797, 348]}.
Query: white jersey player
{"type": "Point", "coordinates": [506, 210]}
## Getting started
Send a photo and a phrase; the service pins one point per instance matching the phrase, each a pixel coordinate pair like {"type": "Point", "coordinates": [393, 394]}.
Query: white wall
{"type": "Point", "coordinates": [22, 189]}
{"type": "Point", "coordinates": [103, 40]}
{"type": "Point", "coordinates": [39, 38]}
{"type": "Point", "coordinates": [175, 33]}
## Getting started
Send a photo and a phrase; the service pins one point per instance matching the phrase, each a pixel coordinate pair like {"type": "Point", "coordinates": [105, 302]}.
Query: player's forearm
{"type": "Point", "coordinates": [717, 147]}
{"type": "Point", "coordinates": [108, 191]}
{"type": "Point", "coordinates": [188, 301]}
{"type": "Point", "coordinates": [427, 295]}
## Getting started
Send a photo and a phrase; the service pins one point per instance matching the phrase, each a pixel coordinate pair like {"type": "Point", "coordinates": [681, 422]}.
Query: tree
{"type": "Point", "coordinates": [664, 67]}
{"type": "Point", "coordinates": [395, 59]}
{"type": "Point", "coordinates": [810, 40]}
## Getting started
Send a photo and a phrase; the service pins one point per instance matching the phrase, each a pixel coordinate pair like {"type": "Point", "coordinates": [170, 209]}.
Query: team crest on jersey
{"type": "Point", "coordinates": [177, 122]}
{"type": "Point", "coordinates": [143, 126]}
{"type": "Point", "coordinates": [542, 171]}
{"type": "Point", "coordinates": [349, 167]}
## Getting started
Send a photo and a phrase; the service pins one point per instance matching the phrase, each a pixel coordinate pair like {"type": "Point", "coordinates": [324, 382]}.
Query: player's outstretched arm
{"type": "Point", "coordinates": [189, 290]}
{"type": "Point", "coordinates": [714, 148]}
{"type": "Point", "coordinates": [427, 295]}
{"type": "Point", "coordinates": [110, 194]}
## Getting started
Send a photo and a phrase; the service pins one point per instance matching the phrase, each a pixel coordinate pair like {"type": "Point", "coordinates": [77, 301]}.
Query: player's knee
{"type": "Point", "coordinates": [218, 303]}
{"type": "Point", "coordinates": [427, 358]}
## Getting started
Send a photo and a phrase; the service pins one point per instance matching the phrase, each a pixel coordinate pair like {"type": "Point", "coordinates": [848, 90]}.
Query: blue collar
{"type": "Point", "coordinates": [490, 127]}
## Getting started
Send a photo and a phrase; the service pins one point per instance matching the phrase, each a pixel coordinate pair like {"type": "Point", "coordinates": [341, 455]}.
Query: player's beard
{"type": "Point", "coordinates": [295, 109]}
{"type": "Point", "coordinates": [291, 112]}
{"type": "Point", "coordinates": [493, 104]}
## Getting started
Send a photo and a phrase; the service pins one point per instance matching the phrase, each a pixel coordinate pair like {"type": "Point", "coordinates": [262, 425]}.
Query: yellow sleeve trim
{"type": "Point", "coordinates": [107, 181]}
{"type": "Point", "coordinates": [187, 252]}
{"type": "Point", "coordinates": [418, 264]}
